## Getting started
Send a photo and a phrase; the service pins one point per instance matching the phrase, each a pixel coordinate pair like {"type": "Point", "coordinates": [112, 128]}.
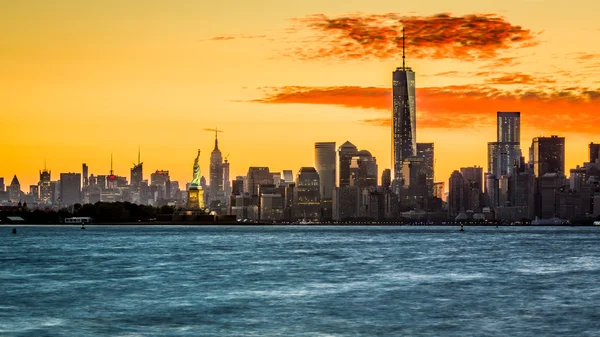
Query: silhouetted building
{"type": "Point", "coordinates": [307, 194]}
{"type": "Point", "coordinates": [137, 174]}
{"type": "Point", "coordinates": [491, 191]}
{"type": "Point", "coordinates": [34, 192]}
{"type": "Point", "coordinates": [547, 197]}
{"type": "Point", "coordinates": [548, 155]}
{"type": "Point", "coordinates": [46, 189]}
{"type": "Point", "coordinates": [458, 196]}
{"type": "Point", "coordinates": [84, 174]}
{"type": "Point", "coordinates": [345, 153]}
{"type": "Point", "coordinates": [237, 186]}
{"type": "Point", "coordinates": [594, 152]}
{"type": "Point", "coordinates": [325, 164]}
{"type": "Point", "coordinates": [439, 190]}
{"type": "Point", "coordinates": [2, 184]}
{"type": "Point", "coordinates": [160, 179]}
{"type": "Point", "coordinates": [70, 188]}
{"type": "Point", "coordinates": [474, 178]}
{"type": "Point", "coordinates": [386, 179]}
{"type": "Point", "coordinates": [414, 183]}
{"type": "Point", "coordinates": [14, 190]}
{"type": "Point", "coordinates": [426, 151]}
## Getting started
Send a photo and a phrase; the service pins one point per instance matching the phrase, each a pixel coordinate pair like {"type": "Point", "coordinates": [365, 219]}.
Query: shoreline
{"type": "Point", "coordinates": [195, 224]}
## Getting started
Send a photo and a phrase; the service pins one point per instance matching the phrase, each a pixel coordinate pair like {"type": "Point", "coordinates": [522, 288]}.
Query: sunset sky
{"type": "Point", "coordinates": [80, 80]}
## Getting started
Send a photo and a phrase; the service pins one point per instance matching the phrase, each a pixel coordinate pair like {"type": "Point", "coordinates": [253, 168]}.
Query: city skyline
{"type": "Point", "coordinates": [74, 92]}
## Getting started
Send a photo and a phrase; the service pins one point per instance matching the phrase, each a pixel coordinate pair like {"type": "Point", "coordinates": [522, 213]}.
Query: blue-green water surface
{"type": "Point", "coordinates": [299, 281]}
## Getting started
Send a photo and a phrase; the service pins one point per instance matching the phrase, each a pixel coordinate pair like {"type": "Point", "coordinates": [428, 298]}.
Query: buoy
{"type": "Point", "coordinates": [14, 231]}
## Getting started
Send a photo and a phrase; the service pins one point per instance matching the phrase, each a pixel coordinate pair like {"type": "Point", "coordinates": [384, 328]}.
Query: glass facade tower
{"type": "Point", "coordinates": [404, 118]}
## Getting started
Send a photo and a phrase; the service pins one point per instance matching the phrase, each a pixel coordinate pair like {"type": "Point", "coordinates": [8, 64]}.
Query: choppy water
{"type": "Point", "coordinates": [299, 281]}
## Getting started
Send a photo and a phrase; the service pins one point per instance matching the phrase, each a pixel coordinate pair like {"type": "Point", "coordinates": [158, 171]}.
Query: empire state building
{"type": "Point", "coordinates": [217, 193]}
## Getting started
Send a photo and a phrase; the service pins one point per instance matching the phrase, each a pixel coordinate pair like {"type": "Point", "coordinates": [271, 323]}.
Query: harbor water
{"type": "Point", "coordinates": [299, 281]}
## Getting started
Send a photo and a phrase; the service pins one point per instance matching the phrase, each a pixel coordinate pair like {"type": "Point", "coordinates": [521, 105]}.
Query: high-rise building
{"type": "Point", "coordinates": [160, 180]}
{"type": "Point", "coordinates": [414, 182]}
{"type": "Point", "coordinates": [345, 153]}
{"type": "Point", "coordinates": [425, 151]}
{"type": "Point", "coordinates": [474, 178]}
{"type": "Point", "coordinates": [46, 189]}
{"type": "Point", "coordinates": [508, 127]}
{"type": "Point", "coordinates": [363, 170]}
{"type": "Point", "coordinates": [137, 172]}
{"type": "Point", "coordinates": [14, 190]}
{"type": "Point", "coordinates": [226, 181]}
{"type": "Point", "coordinates": [457, 194]}
{"type": "Point", "coordinates": [548, 155]}
{"type": "Point", "coordinates": [237, 186]}
{"type": "Point", "coordinates": [34, 191]}
{"type": "Point", "coordinates": [404, 115]}
{"type": "Point", "coordinates": [101, 181]}
{"type": "Point", "coordinates": [216, 173]}
{"type": "Point", "coordinates": [288, 176]}
{"type": "Point", "coordinates": [325, 164]}
{"type": "Point", "coordinates": [257, 176]}
{"type": "Point", "coordinates": [386, 179]}
{"type": "Point", "coordinates": [491, 190]}
{"type": "Point", "coordinates": [1, 184]}
{"type": "Point", "coordinates": [594, 152]}
{"type": "Point", "coordinates": [84, 174]}
{"type": "Point", "coordinates": [506, 150]}
{"type": "Point", "coordinates": [439, 190]}
{"type": "Point", "coordinates": [307, 194]}
{"type": "Point", "coordinates": [70, 188]}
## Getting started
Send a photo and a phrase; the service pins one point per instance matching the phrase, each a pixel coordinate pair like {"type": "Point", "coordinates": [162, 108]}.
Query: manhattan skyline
{"type": "Point", "coordinates": [82, 81]}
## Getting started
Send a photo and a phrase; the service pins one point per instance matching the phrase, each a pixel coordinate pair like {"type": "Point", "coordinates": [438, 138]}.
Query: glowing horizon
{"type": "Point", "coordinates": [81, 81]}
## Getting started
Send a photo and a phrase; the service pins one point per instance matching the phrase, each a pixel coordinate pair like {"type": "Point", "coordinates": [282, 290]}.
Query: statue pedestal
{"type": "Point", "coordinates": [195, 199]}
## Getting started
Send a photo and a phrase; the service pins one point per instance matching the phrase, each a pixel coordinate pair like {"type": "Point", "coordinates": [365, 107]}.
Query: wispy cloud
{"type": "Point", "coordinates": [235, 37]}
{"type": "Point", "coordinates": [462, 106]}
{"type": "Point", "coordinates": [379, 36]}
{"type": "Point", "coordinates": [519, 78]}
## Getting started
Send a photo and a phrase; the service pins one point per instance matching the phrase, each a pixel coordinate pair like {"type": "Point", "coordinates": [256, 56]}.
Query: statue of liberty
{"type": "Point", "coordinates": [195, 199]}
{"type": "Point", "coordinates": [196, 179]}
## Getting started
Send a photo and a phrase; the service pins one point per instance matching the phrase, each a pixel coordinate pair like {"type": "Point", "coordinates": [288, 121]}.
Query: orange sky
{"type": "Point", "coordinates": [81, 80]}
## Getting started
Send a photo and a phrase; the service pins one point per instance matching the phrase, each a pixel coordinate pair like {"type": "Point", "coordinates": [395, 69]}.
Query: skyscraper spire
{"type": "Point", "coordinates": [403, 54]}
{"type": "Point", "coordinates": [111, 164]}
{"type": "Point", "coordinates": [216, 139]}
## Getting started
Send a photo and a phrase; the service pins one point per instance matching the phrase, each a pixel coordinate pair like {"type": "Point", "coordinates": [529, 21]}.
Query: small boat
{"type": "Point", "coordinates": [596, 223]}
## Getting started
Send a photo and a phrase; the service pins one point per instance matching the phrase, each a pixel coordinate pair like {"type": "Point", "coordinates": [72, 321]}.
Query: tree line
{"type": "Point", "coordinates": [100, 212]}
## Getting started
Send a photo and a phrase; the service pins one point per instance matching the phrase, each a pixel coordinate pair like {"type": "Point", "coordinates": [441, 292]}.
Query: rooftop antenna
{"type": "Point", "coordinates": [111, 164]}
{"type": "Point", "coordinates": [403, 54]}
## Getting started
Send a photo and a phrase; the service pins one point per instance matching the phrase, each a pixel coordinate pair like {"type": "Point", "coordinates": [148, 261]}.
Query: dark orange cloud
{"type": "Point", "coordinates": [379, 36]}
{"type": "Point", "coordinates": [463, 106]}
